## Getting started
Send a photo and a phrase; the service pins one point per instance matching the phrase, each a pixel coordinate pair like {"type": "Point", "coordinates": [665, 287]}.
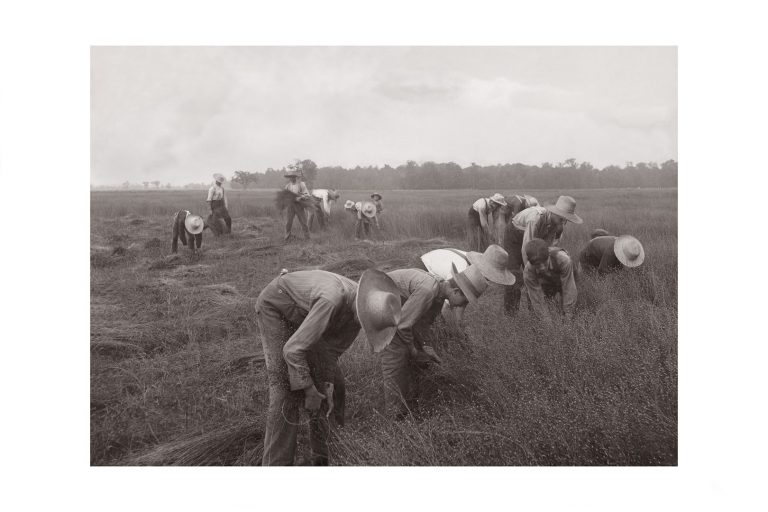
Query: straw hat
{"type": "Point", "coordinates": [368, 209]}
{"type": "Point", "coordinates": [291, 173]}
{"type": "Point", "coordinates": [218, 177]}
{"type": "Point", "coordinates": [498, 198]}
{"type": "Point", "coordinates": [628, 250]}
{"type": "Point", "coordinates": [375, 195]}
{"type": "Point", "coordinates": [378, 308]}
{"type": "Point", "coordinates": [471, 281]}
{"type": "Point", "coordinates": [349, 204]}
{"type": "Point", "coordinates": [194, 224]}
{"type": "Point", "coordinates": [493, 264]}
{"type": "Point", "coordinates": [532, 201]}
{"type": "Point", "coordinates": [566, 208]}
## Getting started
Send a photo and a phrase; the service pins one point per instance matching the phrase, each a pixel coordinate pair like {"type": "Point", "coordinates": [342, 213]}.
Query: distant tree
{"type": "Point", "coordinates": [244, 178]}
{"type": "Point", "coordinates": [570, 162]}
{"type": "Point", "coordinates": [156, 183]}
{"type": "Point", "coordinates": [307, 169]}
{"type": "Point", "coordinates": [145, 183]}
{"type": "Point", "coordinates": [126, 184]}
{"type": "Point", "coordinates": [168, 185]}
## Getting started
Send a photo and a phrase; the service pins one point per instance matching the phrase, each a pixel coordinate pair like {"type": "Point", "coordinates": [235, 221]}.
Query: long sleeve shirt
{"type": "Point", "coordinates": [536, 222]}
{"type": "Point", "coordinates": [329, 303]}
{"type": "Point", "coordinates": [558, 277]}
{"type": "Point", "coordinates": [483, 209]}
{"type": "Point", "coordinates": [421, 303]}
{"type": "Point", "coordinates": [598, 253]}
{"type": "Point", "coordinates": [216, 193]}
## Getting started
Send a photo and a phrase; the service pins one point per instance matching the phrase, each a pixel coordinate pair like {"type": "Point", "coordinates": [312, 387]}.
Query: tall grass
{"type": "Point", "coordinates": [175, 353]}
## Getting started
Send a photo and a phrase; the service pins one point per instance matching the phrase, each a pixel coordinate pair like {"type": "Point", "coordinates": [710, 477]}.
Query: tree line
{"type": "Point", "coordinates": [433, 175]}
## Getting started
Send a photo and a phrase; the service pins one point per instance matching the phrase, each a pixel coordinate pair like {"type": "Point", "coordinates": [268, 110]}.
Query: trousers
{"type": "Point", "coordinates": [296, 210]}
{"type": "Point", "coordinates": [219, 211]}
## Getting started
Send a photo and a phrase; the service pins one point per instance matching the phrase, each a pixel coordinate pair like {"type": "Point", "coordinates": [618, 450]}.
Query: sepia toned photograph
{"type": "Point", "coordinates": [383, 256]}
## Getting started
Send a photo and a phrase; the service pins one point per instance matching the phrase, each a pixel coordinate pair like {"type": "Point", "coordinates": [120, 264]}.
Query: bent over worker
{"type": "Point", "coordinates": [549, 272]}
{"type": "Point", "coordinates": [606, 252]}
{"type": "Point", "coordinates": [307, 320]}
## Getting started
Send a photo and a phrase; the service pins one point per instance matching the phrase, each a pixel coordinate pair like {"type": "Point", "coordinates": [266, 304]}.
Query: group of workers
{"type": "Point", "coordinates": [308, 319]}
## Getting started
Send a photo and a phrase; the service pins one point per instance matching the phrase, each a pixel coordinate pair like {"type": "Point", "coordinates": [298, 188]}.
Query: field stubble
{"type": "Point", "coordinates": [177, 373]}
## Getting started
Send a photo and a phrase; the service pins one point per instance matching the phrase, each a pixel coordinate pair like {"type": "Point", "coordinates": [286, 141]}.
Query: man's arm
{"type": "Point", "coordinates": [529, 234]}
{"type": "Point", "coordinates": [535, 293]}
{"type": "Point", "coordinates": [568, 284]}
{"type": "Point", "coordinates": [309, 332]}
{"type": "Point", "coordinates": [210, 195]}
{"type": "Point", "coordinates": [224, 195]}
{"type": "Point", "coordinates": [414, 308]}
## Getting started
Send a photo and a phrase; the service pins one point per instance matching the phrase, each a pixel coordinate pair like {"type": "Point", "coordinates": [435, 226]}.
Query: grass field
{"type": "Point", "coordinates": [177, 374]}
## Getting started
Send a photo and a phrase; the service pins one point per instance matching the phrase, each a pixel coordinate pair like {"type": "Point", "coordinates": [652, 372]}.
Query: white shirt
{"type": "Point", "coordinates": [216, 193]}
{"type": "Point", "coordinates": [322, 193]}
{"type": "Point", "coordinates": [297, 188]}
{"type": "Point", "coordinates": [438, 262]}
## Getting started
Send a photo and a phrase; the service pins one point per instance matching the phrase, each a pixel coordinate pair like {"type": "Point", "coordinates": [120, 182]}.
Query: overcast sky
{"type": "Point", "coordinates": [179, 114]}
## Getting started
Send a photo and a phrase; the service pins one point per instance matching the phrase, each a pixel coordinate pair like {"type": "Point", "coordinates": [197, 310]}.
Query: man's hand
{"type": "Point", "coordinates": [424, 358]}
{"type": "Point", "coordinates": [329, 397]}
{"type": "Point", "coordinates": [312, 398]}
{"type": "Point", "coordinates": [432, 354]}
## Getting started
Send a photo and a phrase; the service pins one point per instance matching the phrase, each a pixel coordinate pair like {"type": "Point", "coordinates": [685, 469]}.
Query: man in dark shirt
{"type": "Point", "coordinates": [549, 273]}
{"type": "Point", "coordinates": [606, 252]}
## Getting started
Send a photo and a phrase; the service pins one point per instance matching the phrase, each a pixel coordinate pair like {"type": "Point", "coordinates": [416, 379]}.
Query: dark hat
{"type": "Point", "coordinates": [537, 250]}
{"type": "Point", "coordinates": [375, 195]}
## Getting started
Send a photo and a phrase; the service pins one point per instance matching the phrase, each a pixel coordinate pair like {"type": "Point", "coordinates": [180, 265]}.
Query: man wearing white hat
{"type": "Point", "coordinates": [492, 265]}
{"type": "Point", "coordinates": [306, 319]}
{"type": "Point", "coordinates": [549, 272]}
{"type": "Point", "coordinates": [296, 207]}
{"type": "Point", "coordinates": [480, 224]}
{"type": "Point", "coordinates": [366, 215]}
{"type": "Point", "coordinates": [217, 200]}
{"type": "Point", "coordinates": [546, 223]}
{"type": "Point", "coordinates": [422, 295]}
{"type": "Point", "coordinates": [606, 252]}
{"type": "Point", "coordinates": [187, 225]}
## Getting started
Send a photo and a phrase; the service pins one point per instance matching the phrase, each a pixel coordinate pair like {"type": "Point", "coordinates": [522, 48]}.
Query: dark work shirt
{"type": "Point", "coordinates": [598, 253]}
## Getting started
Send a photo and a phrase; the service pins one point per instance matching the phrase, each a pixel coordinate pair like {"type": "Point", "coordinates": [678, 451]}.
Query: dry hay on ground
{"type": "Point", "coordinates": [116, 349]}
{"type": "Point", "coordinates": [242, 364]}
{"type": "Point", "coordinates": [234, 444]}
{"type": "Point", "coordinates": [166, 262]}
{"type": "Point", "coordinates": [154, 243]}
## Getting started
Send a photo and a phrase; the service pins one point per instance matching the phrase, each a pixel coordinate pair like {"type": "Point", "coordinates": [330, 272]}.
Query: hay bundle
{"type": "Point", "coordinates": [285, 198]}
{"type": "Point", "coordinates": [237, 443]}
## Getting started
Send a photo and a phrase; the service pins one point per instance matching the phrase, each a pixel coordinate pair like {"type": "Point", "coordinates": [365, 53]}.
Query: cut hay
{"type": "Point", "coordinates": [166, 262]}
{"type": "Point", "coordinates": [351, 268]}
{"type": "Point", "coordinates": [418, 242]}
{"type": "Point", "coordinates": [189, 271]}
{"type": "Point", "coordinates": [260, 251]}
{"type": "Point", "coordinates": [238, 443]}
{"type": "Point", "coordinates": [153, 243]}
{"type": "Point", "coordinates": [242, 364]}
{"type": "Point", "coordinates": [136, 222]}
{"type": "Point", "coordinates": [116, 349]}
{"type": "Point", "coordinates": [284, 198]}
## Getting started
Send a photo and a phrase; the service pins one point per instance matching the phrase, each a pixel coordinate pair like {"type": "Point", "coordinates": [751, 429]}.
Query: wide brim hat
{"type": "Point", "coordinates": [219, 177]}
{"type": "Point", "coordinates": [291, 173]}
{"type": "Point", "coordinates": [493, 264]}
{"type": "Point", "coordinates": [349, 204]}
{"type": "Point", "coordinates": [194, 224]}
{"type": "Point", "coordinates": [498, 198]}
{"type": "Point", "coordinates": [566, 208]}
{"type": "Point", "coordinates": [629, 251]}
{"type": "Point", "coordinates": [532, 201]}
{"type": "Point", "coordinates": [471, 281]}
{"type": "Point", "coordinates": [368, 209]}
{"type": "Point", "coordinates": [378, 308]}
{"type": "Point", "coordinates": [375, 195]}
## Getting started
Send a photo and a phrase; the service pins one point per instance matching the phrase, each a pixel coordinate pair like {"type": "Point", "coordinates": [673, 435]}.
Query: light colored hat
{"type": "Point", "coordinates": [471, 281]}
{"type": "Point", "coordinates": [218, 177]}
{"type": "Point", "coordinates": [194, 224]}
{"type": "Point", "coordinates": [378, 308]}
{"type": "Point", "coordinates": [498, 198]}
{"type": "Point", "coordinates": [290, 173]}
{"type": "Point", "coordinates": [532, 201]}
{"type": "Point", "coordinates": [375, 194]}
{"type": "Point", "coordinates": [368, 209]}
{"type": "Point", "coordinates": [629, 251]}
{"type": "Point", "coordinates": [349, 204]}
{"type": "Point", "coordinates": [493, 264]}
{"type": "Point", "coordinates": [566, 208]}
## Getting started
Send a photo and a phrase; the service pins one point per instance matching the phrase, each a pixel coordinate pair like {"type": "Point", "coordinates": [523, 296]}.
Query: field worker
{"type": "Point", "coordinates": [548, 272]}
{"type": "Point", "coordinates": [606, 252]}
{"type": "Point", "coordinates": [444, 263]}
{"type": "Point", "coordinates": [366, 215]}
{"type": "Point", "coordinates": [187, 225]}
{"type": "Point", "coordinates": [306, 320]}
{"type": "Point", "coordinates": [217, 200]}
{"type": "Point", "coordinates": [328, 196]}
{"type": "Point", "coordinates": [379, 207]}
{"type": "Point", "coordinates": [296, 208]}
{"type": "Point", "coordinates": [546, 223]}
{"type": "Point", "coordinates": [517, 203]}
{"type": "Point", "coordinates": [480, 221]}
{"type": "Point", "coordinates": [422, 296]}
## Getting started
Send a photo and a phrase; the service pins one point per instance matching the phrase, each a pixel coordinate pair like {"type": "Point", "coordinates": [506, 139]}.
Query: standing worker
{"type": "Point", "coordinates": [217, 200]}
{"type": "Point", "coordinates": [379, 207]}
{"type": "Point", "coordinates": [296, 207]}
{"type": "Point", "coordinates": [366, 215]}
{"type": "Point", "coordinates": [546, 223]}
{"type": "Point", "coordinates": [480, 222]}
